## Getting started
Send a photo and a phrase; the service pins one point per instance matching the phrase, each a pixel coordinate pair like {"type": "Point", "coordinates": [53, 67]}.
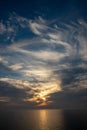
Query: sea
{"type": "Point", "coordinates": [50, 119]}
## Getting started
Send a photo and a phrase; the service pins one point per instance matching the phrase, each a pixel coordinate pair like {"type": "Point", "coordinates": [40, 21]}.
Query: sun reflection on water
{"type": "Point", "coordinates": [51, 119]}
{"type": "Point", "coordinates": [43, 120]}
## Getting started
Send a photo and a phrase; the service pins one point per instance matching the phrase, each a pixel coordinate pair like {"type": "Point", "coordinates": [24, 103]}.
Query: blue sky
{"type": "Point", "coordinates": [43, 54]}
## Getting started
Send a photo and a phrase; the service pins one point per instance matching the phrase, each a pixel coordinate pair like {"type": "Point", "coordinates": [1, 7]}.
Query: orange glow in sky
{"type": "Point", "coordinates": [42, 104]}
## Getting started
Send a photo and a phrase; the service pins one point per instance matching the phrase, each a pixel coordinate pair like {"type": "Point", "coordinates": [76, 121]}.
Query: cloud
{"type": "Point", "coordinates": [2, 28]}
{"type": "Point", "coordinates": [2, 60]}
{"type": "Point", "coordinates": [69, 99]}
{"type": "Point", "coordinates": [52, 54]}
{"type": "Point", "coordinates": [16, 66]}
{"type": "Point", "coordinates": [4, 99]}
{"type": "Point", "coordinates": [74, 78]}
{"type": "Point", "coordinates": [23, 92]}
{"type": "Point", "coordinates": [38, 27]}
{"type": "Point", "coordinates": [9, 91]}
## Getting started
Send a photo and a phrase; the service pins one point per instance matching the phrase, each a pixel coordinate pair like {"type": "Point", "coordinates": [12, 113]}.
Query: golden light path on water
{"type": "Point", "coordinates": [49, 118]}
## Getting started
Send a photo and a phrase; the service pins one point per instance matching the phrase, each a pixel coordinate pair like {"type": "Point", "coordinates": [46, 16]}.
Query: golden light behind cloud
{"type": "Point", "coordinates": [44, 91]}
{"type": "Point", "coordinates": [40, 91]}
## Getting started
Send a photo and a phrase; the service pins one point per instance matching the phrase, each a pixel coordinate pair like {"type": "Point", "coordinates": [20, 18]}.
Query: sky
{"type": "Point", "coordinates": [43, 54]}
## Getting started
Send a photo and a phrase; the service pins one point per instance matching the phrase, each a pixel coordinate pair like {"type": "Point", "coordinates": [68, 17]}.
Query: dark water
{"type": "Point", "coordinates": [43, 120]}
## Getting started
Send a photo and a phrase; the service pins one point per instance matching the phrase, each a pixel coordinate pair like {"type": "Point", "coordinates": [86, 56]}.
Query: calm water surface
{"type": "Point", "coordinates": [43, 120]}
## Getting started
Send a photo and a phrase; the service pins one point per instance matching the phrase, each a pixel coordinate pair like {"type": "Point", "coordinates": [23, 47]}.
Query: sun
{"type": "Point", "coordinates": [44, 99]}
{"type": "Point", "coordinates": [42, 102]}
{"type": "Point", "coordinates": [42, 96]}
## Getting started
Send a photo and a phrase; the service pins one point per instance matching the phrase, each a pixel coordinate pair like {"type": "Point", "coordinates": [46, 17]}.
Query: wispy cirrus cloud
{"type": "Point", "coordinates": [16, 66]}
{"type": "Point", "coordinates": [51, 54]}
{"type": "Point", "coordinates": [2, 28]}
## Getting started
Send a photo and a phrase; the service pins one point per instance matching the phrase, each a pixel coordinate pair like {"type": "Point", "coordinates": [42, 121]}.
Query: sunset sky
{"type": "Point", "coordinates": [43, 54]}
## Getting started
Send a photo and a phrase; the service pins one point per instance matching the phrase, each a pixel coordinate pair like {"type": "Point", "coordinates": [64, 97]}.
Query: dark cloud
{"type": "Point", "coordinates": [13, 97]}
{"type": "Point", "coordinates": [69, 99]}
{"type": "Point", "coordinates": [9, 90]}
{"type": "Point", "coordinates": [73, 76]}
